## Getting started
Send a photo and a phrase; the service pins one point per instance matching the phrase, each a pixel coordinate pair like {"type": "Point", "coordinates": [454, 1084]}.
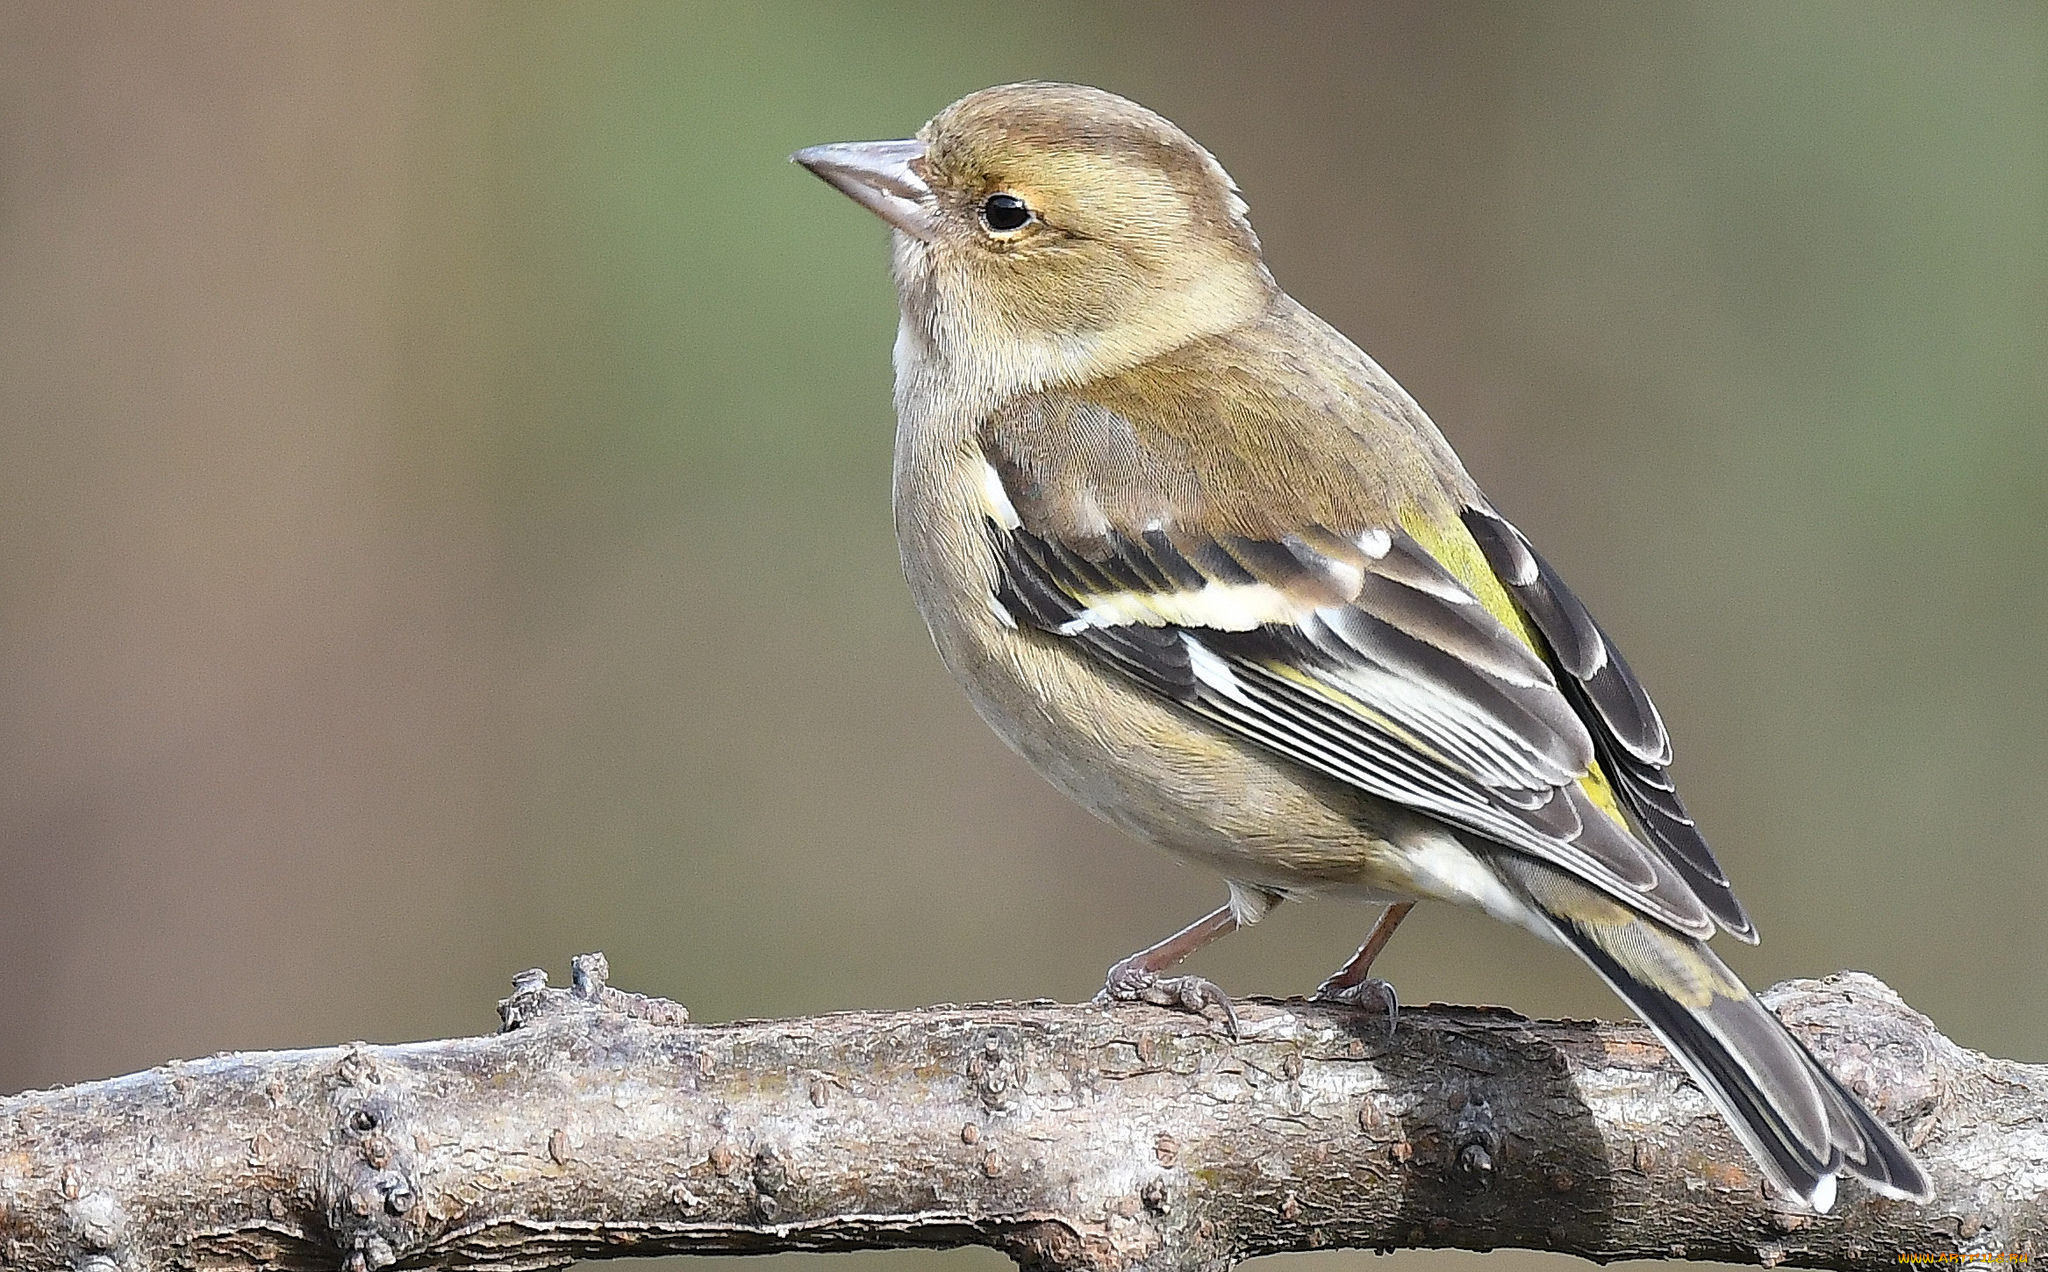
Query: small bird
{"type": "Point", "coordinates": [1216, 576]}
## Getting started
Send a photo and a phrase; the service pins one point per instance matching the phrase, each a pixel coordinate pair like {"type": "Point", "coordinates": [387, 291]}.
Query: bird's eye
{"type": "Point", "coordinates": [1004, 213]}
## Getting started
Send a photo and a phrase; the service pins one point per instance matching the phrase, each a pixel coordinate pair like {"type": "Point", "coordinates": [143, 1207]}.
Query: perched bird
{"type": "Point", "coordinates": [1212, 572]}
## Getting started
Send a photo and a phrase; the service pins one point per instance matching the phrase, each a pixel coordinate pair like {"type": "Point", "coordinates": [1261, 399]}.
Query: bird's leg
{"type": "Point", "coordinates": [1137, 978]}
{"type": "Point", "coordinates": [1353, 982]}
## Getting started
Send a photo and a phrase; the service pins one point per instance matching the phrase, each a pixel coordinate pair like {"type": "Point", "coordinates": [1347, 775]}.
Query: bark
{"type": "Point", "coordinates": [604, 1124]}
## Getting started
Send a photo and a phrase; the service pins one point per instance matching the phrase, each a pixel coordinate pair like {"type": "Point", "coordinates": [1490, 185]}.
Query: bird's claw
{"type": "Point", "coordinates": [1191, 994]}
{"type": "Point", "coordinates": [1371, 995]}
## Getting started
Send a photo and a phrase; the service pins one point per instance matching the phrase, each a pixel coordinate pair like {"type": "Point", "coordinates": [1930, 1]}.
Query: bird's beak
{"type": "Point", "coordinates": [881, 176]}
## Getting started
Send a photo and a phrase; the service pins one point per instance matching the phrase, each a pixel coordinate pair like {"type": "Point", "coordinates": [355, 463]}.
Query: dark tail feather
{"type": "Point", "coordinates": [1802, 1126]}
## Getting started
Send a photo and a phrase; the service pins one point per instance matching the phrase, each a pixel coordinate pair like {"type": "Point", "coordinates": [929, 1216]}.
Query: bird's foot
{"type": "Point", "coordinates": [1373, 995]}
{"type": "Point", "coordinates": [1130, 982]}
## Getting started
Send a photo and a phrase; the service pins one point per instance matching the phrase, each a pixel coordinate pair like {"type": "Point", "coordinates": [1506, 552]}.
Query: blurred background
{"type": "Point", "coordinates": [444, 517]}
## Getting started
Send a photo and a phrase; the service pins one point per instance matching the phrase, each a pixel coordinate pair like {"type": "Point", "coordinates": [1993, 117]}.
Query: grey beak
{"type": "Point", "coordinates": [880, 177]}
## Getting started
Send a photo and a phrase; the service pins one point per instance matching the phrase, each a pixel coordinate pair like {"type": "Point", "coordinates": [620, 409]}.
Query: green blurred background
{"type": "Point", "coordinates": [444, 492]}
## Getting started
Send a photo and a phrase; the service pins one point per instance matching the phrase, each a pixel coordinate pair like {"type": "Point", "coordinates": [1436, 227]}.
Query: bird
{"type": "Point", "coordinates": [1213, 573]}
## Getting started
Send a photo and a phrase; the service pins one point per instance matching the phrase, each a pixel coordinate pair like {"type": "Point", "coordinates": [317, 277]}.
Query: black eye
{"type": "Point", "coordinates": [1004, 212]}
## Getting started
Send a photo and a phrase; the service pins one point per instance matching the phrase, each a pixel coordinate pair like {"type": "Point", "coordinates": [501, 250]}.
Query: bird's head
{"type": "Point", "coordinates": [1050, 232]}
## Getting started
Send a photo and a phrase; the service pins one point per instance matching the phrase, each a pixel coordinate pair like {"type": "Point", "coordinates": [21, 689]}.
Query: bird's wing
{"type": "Point", "coordinates": [1357, 653]}
{"type": "Point", "coordinates": [1628, 734]}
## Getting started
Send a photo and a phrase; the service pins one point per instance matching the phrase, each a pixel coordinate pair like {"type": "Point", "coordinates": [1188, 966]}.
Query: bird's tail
{"type": "Point", "coordinates": [1799, 1123]}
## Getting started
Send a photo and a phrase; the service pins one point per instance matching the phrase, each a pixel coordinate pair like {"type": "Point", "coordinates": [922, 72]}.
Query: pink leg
{"type": "Point", "coordinates": [1353, 983]}
{"type": "Point", "coordinates": [1137, 979]}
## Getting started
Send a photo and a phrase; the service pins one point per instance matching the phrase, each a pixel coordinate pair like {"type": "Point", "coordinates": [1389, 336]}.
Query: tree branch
{"type": "Point", "coordinates": [603, 1124]}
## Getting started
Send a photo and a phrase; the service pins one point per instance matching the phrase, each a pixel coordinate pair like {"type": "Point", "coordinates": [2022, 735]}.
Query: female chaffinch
{"type": "Point", "coordinates": [1212, 572]}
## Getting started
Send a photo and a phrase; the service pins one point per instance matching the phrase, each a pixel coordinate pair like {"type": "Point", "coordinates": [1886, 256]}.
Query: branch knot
{"type": "Point", "coordinates": [371, 1182]}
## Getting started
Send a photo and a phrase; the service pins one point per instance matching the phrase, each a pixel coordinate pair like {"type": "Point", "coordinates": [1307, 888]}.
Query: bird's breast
{"type": "Point", "coordinates": [1134, 760]}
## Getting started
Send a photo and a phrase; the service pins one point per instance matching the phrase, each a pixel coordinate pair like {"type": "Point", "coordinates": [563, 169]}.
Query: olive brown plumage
{"type": "Point", "coordinates": [1215, 574]}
